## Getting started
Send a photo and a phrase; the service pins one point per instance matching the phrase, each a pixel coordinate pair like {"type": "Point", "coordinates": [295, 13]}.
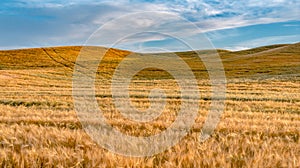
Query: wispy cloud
{"type": "Point", "coordinates": [270, 40]}
{"type": "Point", "coordinates": [236, 48]}
{"type": "Point", "coordinates": [71, 22]}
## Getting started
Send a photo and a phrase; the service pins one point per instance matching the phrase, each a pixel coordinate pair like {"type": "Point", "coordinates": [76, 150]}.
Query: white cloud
{"type": "Point", "coordinates": [236, 48]}
{"type": "Point", "coordinates": [217, 15]}
{"type": "Point", "coordinates": [73, 21]}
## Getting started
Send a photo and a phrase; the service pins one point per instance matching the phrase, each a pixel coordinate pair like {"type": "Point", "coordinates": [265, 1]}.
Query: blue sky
{"type": "Point", "coordinates": [228, 24]}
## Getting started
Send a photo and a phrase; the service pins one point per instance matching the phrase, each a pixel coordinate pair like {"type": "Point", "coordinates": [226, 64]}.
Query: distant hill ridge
{"type": "Point", "coordinates": [273, 59]}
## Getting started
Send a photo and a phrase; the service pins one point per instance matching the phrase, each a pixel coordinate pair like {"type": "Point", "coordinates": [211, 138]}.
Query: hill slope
{"type": "Point", "coordinates": [262, 61]}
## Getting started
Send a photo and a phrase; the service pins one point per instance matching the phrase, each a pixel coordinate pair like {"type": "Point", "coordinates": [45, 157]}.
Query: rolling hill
{"type": "Point", "coordinates": [260, 125]}
{"type": "Point", "coordinates": [268, 60]}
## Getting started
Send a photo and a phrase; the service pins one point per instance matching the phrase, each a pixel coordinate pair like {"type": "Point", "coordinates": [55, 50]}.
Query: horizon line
{"type": "Point", "coordinates": [154, 52]}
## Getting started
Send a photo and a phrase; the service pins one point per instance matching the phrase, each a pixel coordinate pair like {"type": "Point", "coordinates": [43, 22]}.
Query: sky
{"type": "Point", "coordinates": [228, 24]}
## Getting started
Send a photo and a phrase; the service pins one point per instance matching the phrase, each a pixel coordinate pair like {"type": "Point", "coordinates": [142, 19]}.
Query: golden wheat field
{"type": "Point", "coordinates": [260, 126]}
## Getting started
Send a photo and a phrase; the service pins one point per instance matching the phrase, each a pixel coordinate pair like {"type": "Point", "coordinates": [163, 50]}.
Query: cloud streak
{"type": "Point", "coordinates": [34, 23]}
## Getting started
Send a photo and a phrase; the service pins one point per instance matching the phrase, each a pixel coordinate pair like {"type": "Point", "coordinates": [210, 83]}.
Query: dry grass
{"type": "Point", "coordinates": [260, 126]}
